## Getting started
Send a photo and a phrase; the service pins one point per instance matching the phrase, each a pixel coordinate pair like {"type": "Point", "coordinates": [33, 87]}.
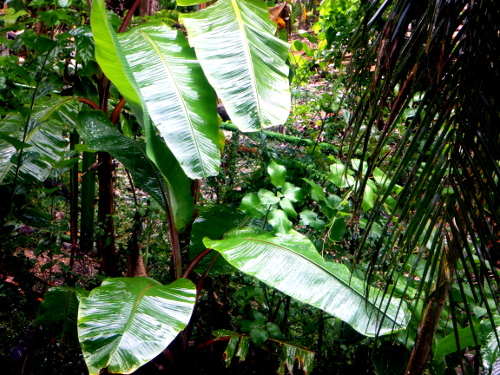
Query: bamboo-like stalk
{"type": "Point", "coordinates": [285, 138]}
{"type": "Point", "coordinates": [73, 208]}
{"type": "Point", "coordinates": [87, 203]}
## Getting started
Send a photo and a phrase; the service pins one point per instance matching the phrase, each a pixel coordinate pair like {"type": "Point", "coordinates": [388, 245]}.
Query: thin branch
{"type": "Point", "coordinates": [89, 102]}
{"type": "Point", "coordinates": [129, 15]}
{"type": "Point", "coordinates": [116, 112]}
{"type": "Point", "coordinates": [195, 262]}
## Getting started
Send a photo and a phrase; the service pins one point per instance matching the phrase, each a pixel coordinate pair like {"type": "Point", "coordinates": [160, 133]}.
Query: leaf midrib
{"type": "Point", "coordinates": [248, 54]}
{"type": "Point", "coordinates": [180, 99]}
{"type": "Point", "coordinates": [133, 311]}
{"type": "Point", "coordinates": [285, 249]}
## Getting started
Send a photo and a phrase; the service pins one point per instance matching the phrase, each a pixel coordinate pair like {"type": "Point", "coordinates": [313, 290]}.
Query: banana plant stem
{"type": "Point", "coordinates": [285, 138]}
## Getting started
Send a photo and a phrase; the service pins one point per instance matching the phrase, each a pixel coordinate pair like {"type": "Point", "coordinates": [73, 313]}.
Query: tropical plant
{"type": "Point", "coordinates": [411, 195]}
{"type": "Point", "coordinates": [427, 116]}
{"type": "Point", "coordinates": [164, 85]}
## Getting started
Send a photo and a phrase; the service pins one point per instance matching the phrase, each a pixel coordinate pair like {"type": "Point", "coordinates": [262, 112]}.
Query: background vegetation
{"type": "Point", "coordinates": [357, 233]}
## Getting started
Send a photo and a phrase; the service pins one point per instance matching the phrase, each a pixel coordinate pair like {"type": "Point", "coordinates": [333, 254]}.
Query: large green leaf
{"type": "Point", "coordinates": [214, 223]}
{"type": "Point", "coordinates": [60, 304]}
{"type": "Point", "coordinates": [490, 334]}
{"type": "Point", "coordinates": [290, 263]}
{"type": "Point", "coordinates": [100, 135]}
{"type": "Point", "coordinates": [449, 344]}
{"type": "Point", "coordinates": [126, 322]}
{"type": "Point", "coordinates": [243, 61]}
{"type": "Point", "coordinates": [180, 200]}
{"type": "Point", "coordinates": [178, 97]}
{"type": "Point", "coordinates": [44, 145]}
{"type": "Point", "coordinates": [111, 58]}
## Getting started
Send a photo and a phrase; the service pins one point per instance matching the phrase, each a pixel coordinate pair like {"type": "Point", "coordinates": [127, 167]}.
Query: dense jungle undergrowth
{"type": "Point", "coordinates": [242, 186]}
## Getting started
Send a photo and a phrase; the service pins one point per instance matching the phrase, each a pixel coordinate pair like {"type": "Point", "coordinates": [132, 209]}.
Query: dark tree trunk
{"type": "Point", "coordinates": [148, 7]}
{"type": "Point", "coordinates": [106, 242]}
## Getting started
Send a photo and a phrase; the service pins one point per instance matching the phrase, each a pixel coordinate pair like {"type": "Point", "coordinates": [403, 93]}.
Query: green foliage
{"type": "Point", "coordinates": [335, 249]}
{"type": "Point", "coordinates": [126, 322]}
{"type": "Point", "coordinates": [242, 59]}
{"type": "Point", "coordinates": [278, 260]}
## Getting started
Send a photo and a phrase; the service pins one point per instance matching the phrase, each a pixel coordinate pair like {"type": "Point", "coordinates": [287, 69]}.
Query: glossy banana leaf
{"type": "Point", "coordinates": [126, 322]}
{"type": "Point", "coordinates": [290, 263]}
{"type": "Point", "coordinates": [100, 135]}
{"type": "Point", "coordinates": [179, 99]}
{"type": "Point", "coordinates": [242, 60]}
{"type": "Point", "coordinates": [112, 61]}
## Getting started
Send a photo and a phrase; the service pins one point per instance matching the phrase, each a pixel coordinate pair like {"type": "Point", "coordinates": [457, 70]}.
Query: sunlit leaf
{"type": "Point", "coordinates": [126, 322]}
{"type": "Point", "coordinates": [340, 175]}
{"type": "Point", "coordinates": [177, 95]}
{"type": "Point", "coordinates": [277, 173]}
{"type": "Point", "coordinates": [252, 205]}
{"type": "Point", "coordinates": [279, 220]}
{"type": "Point", "coordinates": [44, 135]}
{"type": "Point", "coordinates": [290, 263]}
{"type": "Point", "coordinates": [111, 59]}
{"type": "Point", "coordinates": [242, 60]}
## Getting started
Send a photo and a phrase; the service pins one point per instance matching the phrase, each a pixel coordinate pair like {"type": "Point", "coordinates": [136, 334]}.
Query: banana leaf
{"type": "Point", "coordinates": [60, 305]}
{"type": "Point", "coordinates": [112, 61]}
{"type": "Point", "coordinates": [178, 97]}
{"type": "Point", "coordinates": [289, 262]}
{"type": "Point", "coordinates": [100, 135]}
{"type": "Point", "coordinates": [243, 60]}
{"type": "Point", "coordinates": [126, 322]}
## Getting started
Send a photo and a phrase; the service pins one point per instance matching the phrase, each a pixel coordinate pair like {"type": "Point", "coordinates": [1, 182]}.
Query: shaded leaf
{"type": "Point", "coordinates": [259, 335]}
{"type": "Point", "coordinates": [310, 218]}
{"type": "Point", "coordinates": [60, 304]}
{"type": "Point", "coordinates": [100, 135]}
{"type": "Point", "coordinates": [448, 344]}
{"type": "Point", "coordinates": [337, 229]}
{"type": "Point", "coordinates": [214, 223]}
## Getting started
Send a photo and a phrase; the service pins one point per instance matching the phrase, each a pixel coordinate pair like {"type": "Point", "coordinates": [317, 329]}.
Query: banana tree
{"type": "Point", "coordinates": [171, 84]}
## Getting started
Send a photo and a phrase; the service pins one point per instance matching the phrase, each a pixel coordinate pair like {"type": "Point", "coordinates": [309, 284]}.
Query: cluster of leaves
{"type": "Point", "coordinates": [322, 229]}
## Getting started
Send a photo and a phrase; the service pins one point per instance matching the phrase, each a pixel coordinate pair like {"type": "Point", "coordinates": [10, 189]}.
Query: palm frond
{"type": "Point", "coordinates": [433, 98]}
